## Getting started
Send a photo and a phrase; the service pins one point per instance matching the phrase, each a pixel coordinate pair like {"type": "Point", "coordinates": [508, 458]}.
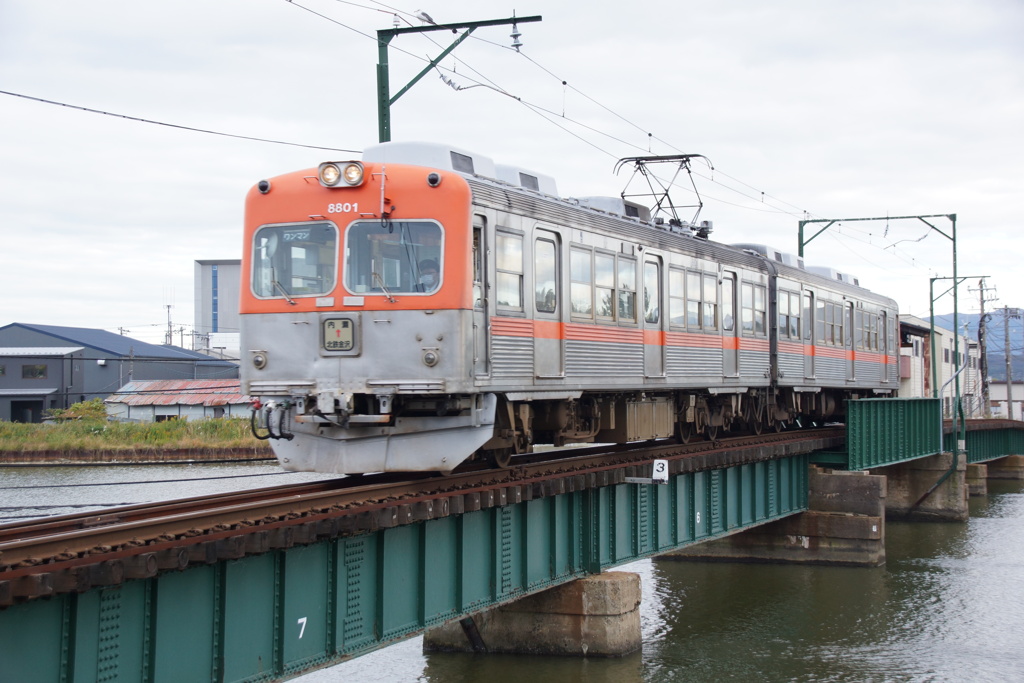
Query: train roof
{"type": "Point", "coordinates": [537, 193]}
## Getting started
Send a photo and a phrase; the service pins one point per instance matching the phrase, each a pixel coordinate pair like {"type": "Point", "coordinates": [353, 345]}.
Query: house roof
{"type": "Point", "coordinates": [117, 344]}
{"type": "Point", "coordinates": [171, 392]}
{"type": "Point", "coordinates": [24, 351]}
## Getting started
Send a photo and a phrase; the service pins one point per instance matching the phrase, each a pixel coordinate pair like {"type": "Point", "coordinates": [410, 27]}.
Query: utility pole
{"type": "Point", "coordinates": [986, 404]}
{"type": "Point", "coordinates": [170, 329]}
{"type": "Point", "coordinates": [384, 36]}
{"type": "Point", "coordinates": [1009, 314]}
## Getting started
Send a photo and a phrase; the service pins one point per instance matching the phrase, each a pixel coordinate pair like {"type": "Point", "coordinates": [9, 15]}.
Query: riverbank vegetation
{"type": "Point", "coordinates": [84, 428]}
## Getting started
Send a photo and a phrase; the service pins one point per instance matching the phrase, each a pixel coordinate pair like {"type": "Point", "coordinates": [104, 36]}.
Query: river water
{"type": "Point", "coordinates": [947, 606]}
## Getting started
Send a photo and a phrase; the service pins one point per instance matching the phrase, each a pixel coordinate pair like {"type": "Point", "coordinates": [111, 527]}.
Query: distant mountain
{"type": "Point", "coordinates": [995, 340]}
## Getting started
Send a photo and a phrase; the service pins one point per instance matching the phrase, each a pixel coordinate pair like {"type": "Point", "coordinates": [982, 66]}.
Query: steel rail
{"type": "Point", "coordinates": [170, 534]}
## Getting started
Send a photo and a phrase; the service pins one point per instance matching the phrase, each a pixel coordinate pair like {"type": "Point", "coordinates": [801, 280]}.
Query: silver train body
{"type": "Point", "coordinates": [563, 323]}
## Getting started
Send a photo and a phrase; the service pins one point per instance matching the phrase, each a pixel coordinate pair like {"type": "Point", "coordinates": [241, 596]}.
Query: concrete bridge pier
{"type": "Point", "coordinates": [1010, 467]}
{"type": "Point", "coordinates": [844, 525]}
{"type": "Point", "coordinates": [977, 479]}
{"type": "Point", "coordinates": [596, 616]}
{"type": "Point", "coordinates": [929, 489]}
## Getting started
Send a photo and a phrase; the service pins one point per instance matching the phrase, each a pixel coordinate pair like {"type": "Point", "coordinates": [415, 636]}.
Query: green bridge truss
{"type": "Point", "coordinates": [270, 616]}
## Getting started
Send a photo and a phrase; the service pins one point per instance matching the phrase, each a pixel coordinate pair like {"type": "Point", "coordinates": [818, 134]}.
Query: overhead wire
{"type": "Point", "coordinates": [172, 125]}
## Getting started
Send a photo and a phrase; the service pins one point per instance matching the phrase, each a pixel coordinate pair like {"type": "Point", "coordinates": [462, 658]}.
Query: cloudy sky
{"type": "Point", "coordinates": [807, 109]}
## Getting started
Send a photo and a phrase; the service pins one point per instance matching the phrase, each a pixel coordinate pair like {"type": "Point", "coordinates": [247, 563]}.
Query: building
{"type": "Point", "coordinates": [997, 399]}
{"type": "Point", "coordinates": [916, 376]}
{"type": "Point", "coordinates": [159, 400]}
{"type": "Point", "coordinates": [217, 325]}
{"type": "Point", "coordinates": [46, 367]}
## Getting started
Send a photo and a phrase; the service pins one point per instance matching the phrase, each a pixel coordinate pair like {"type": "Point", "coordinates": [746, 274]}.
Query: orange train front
{"type": "Point", "coordinates": [424, 305]}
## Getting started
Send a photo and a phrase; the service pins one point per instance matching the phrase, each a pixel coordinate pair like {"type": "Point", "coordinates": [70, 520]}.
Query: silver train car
{"type": "Point", "coordinates": [424, 306]}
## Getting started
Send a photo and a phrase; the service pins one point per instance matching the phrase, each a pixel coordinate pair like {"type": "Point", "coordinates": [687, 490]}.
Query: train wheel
{"type": "Point", "coordinates": [711, 431]}
{"type": "Point", "coordinates": [500, 457]}
{"type": "Point", "coordinates": [757, 425]}
{"type": "Point", "coordinates": [684, 431]}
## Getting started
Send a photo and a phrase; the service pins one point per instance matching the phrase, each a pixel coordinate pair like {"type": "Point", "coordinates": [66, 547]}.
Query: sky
{"type": "Point", "coordinates": [807, 110]}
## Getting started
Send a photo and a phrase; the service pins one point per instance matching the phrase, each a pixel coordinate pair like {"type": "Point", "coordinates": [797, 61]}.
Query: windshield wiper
{"type": "Point", "coordinates": [387, 294]}
{"type": "Point", "coordinates": [277, 285]}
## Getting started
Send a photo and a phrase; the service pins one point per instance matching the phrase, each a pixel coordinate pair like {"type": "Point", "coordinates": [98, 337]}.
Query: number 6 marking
{"type": "Point", "coordinates": [302, 627]}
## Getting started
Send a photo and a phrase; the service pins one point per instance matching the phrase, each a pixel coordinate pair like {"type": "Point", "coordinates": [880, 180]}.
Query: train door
{"type": "Point", "coordinates": [730, 330]}
{"type": "Point", "coordinates": [808, 330]}
{"type": "Point", "coordinates": [848, 334]}
{"type": "Point", "coordinates": [481, 303]}
{"type": "Point", "coordinates": [654, 344]}
{"type": "Point", "coordinates": [548, 345]}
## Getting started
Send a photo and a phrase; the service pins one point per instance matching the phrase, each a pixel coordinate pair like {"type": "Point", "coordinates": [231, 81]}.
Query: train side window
{"type": "Point", "coordinates": [862, 330]}
{"type": "Point", "coordinates": [627, 290]}
{"type": "Point", "coordinates": [545, 273]}
{"type": "Point", "coordinates": [820, 322]}
{"type": "Point", "coordinates": [478, 268]}
{"type": "Point", "coordinates": [604, 285]}
{"type": "Point", "coordinates": [676, 297]}
{"type": "Point", "coordinates": [509, 271]}
{"type": "Point", "coordinates": [794, 316]}
{"type": "Point", "coordinates": [789, 315]}
{"type": "Point", "coordinates": [760, 311]}
{"type": "Point", "coordinates": [581, 292]}
{"type": "Point", "coordinates": [808, 316]}
{"type": "Point", "coordinates": [652, 292]}
{"type": "Point", "coordinates": [693, 300]}
{"type": "Point", "coordinates": [752, 309]}
{"type": "Point", "coordinates": [710, 303]}
{"type": "Point", "coordinates": [728, 303]}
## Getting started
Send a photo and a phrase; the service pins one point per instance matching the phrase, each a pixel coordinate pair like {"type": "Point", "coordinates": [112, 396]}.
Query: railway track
{"type": "Point", "coordinates": [77, 552]}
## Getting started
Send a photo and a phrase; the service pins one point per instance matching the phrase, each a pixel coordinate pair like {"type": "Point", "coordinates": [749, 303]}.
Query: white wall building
{"type": "Point", "coordinates": [916, 379]}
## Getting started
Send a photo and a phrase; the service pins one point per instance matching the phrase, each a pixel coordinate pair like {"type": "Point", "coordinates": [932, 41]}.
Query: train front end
{"type": "Point", "coordinates": [357, 319]}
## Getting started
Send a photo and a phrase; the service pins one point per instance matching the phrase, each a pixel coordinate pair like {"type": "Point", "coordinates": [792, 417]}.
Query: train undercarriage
{"type": "Point", "coordinates": [421, 433]}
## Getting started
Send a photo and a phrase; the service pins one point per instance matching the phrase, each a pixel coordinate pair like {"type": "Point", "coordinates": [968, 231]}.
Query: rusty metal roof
{"type": "Point", "coordinates": [172, 392]}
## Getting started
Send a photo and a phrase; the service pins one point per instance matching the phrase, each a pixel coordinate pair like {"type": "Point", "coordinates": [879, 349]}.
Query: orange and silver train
{"type": "Point", "coordinates": [424, 306]}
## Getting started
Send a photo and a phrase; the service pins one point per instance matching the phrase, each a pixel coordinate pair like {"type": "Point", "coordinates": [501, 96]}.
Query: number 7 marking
{"type": "Point", "coordinates": [302, 627]}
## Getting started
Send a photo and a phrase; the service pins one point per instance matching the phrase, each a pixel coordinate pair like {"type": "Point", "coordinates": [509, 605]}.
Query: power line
{"type": "Point", "coordinates": [174, 125]}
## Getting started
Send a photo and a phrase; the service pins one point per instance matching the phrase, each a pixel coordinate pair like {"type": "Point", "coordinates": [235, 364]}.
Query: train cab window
{"type": "Point", "coordinates": [652, 292]}
{"type": "Point", "coordinates": [393, 257]}
{"type": "Point", "coordinates": [509, 262]}
{"type": "Point", "coordinates": [294, 260]}
{"type": "Point", "coordinates": [581, 293]}
{"type": "Point", "coordinates": [545, 273]}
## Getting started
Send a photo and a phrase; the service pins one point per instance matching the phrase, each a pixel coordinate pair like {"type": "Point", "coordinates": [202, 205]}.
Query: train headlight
{"type": "Point", "coordinates": [336, 173]}
{"type": "Point", "coordinates": [259, 360]}
{"type": "Point", "coordinates": [431, 357]}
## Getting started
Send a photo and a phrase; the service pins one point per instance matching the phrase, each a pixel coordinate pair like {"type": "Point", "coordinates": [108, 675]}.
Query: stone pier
{"type": "Point", "coordinates": [977, 480]}
{"type": "Point", "coordinates": [845, 525]}
{"type": "Point", "coordinates": [596, 616]}
{"type": "Point", "coordinates": [1010, 467]}
{"type": "Point", "coordinates": [909, 481]}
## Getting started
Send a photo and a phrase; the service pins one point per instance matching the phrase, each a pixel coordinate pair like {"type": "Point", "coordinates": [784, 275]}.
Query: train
{"type": "Point", "coordinates": [424, 306]}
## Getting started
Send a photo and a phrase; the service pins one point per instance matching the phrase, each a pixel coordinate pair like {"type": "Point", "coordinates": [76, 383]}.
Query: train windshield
{"type": "Point", "coordinates": [294, 260]}
{"type": "Point", "coordinates": [393, 257]}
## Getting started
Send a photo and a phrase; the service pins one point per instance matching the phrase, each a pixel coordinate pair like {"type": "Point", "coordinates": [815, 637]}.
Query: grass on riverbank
{"type": "Point", "coordinates": [84, 427]}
